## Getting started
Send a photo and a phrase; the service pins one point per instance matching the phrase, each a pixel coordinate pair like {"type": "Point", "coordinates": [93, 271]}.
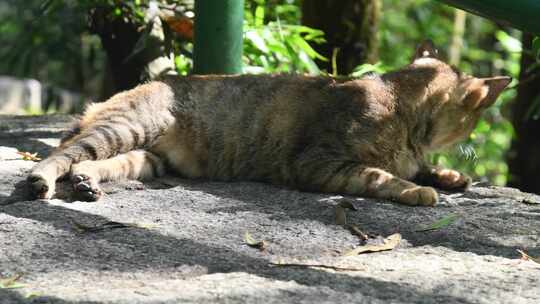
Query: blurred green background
{"type": "Point", "coordinates": [99, 47]}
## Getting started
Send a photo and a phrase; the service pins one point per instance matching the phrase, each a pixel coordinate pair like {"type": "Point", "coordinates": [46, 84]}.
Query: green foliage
{"type": "Point", "coordinates": [536, 47]}
{"type": "Point", "coordinates": [274, 40]}
{"type": "Point", "coordinates": [404, 24]}
{"type": "Point", "coordinates": [365, 68]}
{"type": "Point", "coordinates": [33, 33]}
{"type": "Point", "coordinates": [281, 45]}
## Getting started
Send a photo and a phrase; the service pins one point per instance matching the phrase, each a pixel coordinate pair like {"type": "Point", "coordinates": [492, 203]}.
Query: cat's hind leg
{"type": "Point", "coordinates": [130, 120]}
{"type": "Point", "coordinates": [137, 164]}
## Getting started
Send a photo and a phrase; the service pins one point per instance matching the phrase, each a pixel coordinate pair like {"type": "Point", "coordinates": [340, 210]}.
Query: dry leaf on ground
{"type": "Point", "coordinates": [251, 242]}
{"type": "Point", "coordinates": [526, 257]}
{"type": "Point", "coordinates": [388, 243]}
{"type": "Point", "coordinates": [29, 156]}
{"type": "Point", "coordinates": [11, 282]}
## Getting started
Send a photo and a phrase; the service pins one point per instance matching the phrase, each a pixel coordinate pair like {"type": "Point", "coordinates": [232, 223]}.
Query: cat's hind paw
{"type": "Point", "coordinates": [86, 188]}
{"type": "Point", "coordinates": [40, 187]}
{"type": "Point", "coordinates": [419, 196]}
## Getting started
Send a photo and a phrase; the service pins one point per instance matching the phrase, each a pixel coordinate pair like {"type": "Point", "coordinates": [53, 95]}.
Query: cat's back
{"type": "Point", "coordinates": [246, 126]}
{"type": "Point", "coordinates": [212, 93]}
{"type": "Point", "coordinates": [244, 108]}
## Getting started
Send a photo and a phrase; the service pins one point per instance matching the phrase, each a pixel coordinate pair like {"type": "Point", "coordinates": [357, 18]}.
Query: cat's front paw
{"type": "Point", "coordinates": [448, 179]}
{"type": "Point", "coordinates": [40, 187]}
{"type": "Point", "coordinates": [419, 196]}
{"type": "Point", "coordinates": [86, 188]}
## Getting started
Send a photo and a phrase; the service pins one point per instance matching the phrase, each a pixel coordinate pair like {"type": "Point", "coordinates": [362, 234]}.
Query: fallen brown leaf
{"type": "Point", "coordinates": [11, 282]}
{"type": "Point", "coordinates": [526, 257]}
{"type": "Point", "coordinates": [251, 242]}
{"type": "Point", "coordinates": [388, 243]}
{"type": "Point", "coordinates": [181, 25]}
{"type": "Point", "coordinates": [29, 156]}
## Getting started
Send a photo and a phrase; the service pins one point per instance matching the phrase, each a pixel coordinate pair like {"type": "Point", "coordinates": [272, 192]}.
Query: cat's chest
{"type": "Point", "coordinates": [406, 165]}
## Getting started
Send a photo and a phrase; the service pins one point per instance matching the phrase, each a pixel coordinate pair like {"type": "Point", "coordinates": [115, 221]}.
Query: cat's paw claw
{"type": "Point", "coordinates": [86, 188]}
{"type": "Point", "coordinates": [419, 196]}
{"type": "Point", "coordinates": [40, 188]}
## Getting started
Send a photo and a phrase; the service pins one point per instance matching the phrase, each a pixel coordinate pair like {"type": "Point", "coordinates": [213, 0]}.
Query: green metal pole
{"type": "Point", "coordinates": [218, 36]}
{"type": "Point", "coordinates": [521, 14]}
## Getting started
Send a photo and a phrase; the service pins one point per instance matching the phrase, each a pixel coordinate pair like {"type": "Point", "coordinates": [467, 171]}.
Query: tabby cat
{"type": "Point", "coordinates": [366, 137]}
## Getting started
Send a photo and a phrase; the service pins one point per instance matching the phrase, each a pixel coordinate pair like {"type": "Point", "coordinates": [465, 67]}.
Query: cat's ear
{"type": "Point", "coordinates": [426, 49]}
{"type": "Point", "coordinates": [482, 92]}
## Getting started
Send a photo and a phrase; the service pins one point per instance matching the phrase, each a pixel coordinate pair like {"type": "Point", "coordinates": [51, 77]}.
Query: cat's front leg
{"type": "Point", "coordinates": [356, 179]}
{"type": "Point", "coordinates": [374, 182]}
{"type": "Point", "coordinates": [445, 179]}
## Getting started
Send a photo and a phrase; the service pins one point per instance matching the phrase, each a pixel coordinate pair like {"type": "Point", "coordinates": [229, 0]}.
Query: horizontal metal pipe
{"type": "Point", "coordinates": [521, 14]}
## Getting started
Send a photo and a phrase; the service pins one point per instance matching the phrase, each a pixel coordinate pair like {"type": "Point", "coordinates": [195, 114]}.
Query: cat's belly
{"type": "Point", "coordinates": [182, 153]}
{"type": "Point", "coordinates": [185, 163]}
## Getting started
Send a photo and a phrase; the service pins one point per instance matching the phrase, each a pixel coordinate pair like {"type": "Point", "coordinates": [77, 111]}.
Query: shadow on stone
{"type": "Point", "coordinates": [482, 215]}
{"type": "Point", "coordinates": [137, 249]}
{"type": "Point", "coordinates": [30, 144]}
{"type": "Point", "coordinates": [496, 220]}
{"type": "Point", "coordinates": [8, 296]}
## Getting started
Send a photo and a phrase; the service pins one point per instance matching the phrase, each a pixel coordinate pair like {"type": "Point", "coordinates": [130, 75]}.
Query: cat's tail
{"type": "Point", "coordinates": [129, 120]}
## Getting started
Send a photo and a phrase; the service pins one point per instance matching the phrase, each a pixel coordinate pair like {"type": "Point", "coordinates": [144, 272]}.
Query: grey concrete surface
{"type": "Point", "coordinates": [189, 245]}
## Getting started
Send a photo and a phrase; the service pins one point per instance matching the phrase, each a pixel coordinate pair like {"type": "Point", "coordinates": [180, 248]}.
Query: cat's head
{"type": "Point", "coordinates": [454, 100]}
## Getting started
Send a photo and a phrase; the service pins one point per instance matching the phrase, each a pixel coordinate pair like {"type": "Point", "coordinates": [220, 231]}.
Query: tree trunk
{"type": "Point", "coordinates": [523, 159]}
{"type": "Point", "coordinates": [350, 27]}
{"type": "Point", "coordinates": [119, 39]}
{"type": "Point", "coordinates": [454, 54]}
